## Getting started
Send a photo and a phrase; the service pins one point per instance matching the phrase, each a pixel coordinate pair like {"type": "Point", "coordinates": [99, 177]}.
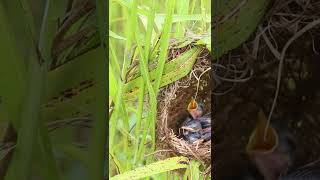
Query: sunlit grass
{"type": "Point", "coordinates": [139, 24]}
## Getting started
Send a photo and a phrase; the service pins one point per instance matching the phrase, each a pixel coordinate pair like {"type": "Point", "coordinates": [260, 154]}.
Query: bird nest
{"type": "Point", "coordinates": [172, 110]}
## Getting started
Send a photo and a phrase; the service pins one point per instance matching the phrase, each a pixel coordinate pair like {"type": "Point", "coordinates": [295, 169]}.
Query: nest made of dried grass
{"type": "Point", "coordinates": [172, 105]}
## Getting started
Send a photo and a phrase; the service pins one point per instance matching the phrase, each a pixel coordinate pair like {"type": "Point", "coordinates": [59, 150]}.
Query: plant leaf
{"type": "Point", "coordinates": [236, 21]}
{"type": "Point", "coordinates": [154, 168]}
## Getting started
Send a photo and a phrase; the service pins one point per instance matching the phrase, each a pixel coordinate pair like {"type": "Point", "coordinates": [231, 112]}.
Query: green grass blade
{"type": "Point", "coordinates": [114, 60]}
{"type": "Point", "coordinates": [173, 70]}
{"type": "Point", "coordinates": [139, 118]}
{"type": "Point", "coordinates": [118, 101]}
{"type": "Point", "coordinates": [164, 44]}
{"type": "Point", "coordinates": [47, 33]}
{"type": "Point", "coordinates": [182, 7]}
{"type": "Point", "coordinates": [31, 103]}
{"type": "Point", "coordinates": [144, 70]}
{"type": "Point", "coordinates": [153, 101]}
{"type": "Point", "coordinates": [48, 162]}
{"type": "Point", "coordinates": [20, 167]}
{"type": "Point", "coordinates": [99, 131]}
{"type": "Point", "coordinates": [116, 36]}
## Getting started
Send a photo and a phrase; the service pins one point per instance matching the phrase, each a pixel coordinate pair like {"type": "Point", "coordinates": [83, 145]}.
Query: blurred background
{"type": "Point", "coordinates": [53, 75]}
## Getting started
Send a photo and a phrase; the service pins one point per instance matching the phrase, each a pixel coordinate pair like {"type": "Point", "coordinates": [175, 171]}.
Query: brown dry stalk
{"type": "Point", "coordinates": [75, 15]}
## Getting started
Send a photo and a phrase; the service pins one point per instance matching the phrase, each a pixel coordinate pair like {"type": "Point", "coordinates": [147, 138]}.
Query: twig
{"type": "Point", "coordinates": [283, 53]}
{"type": "Point", "coordinates": [198, 79]}
{"type": "Point", "coordinates": [310, 163]}
{"type": "Point", "coordinates": [274, 51]}
{"type": "Point", "coordinates": [75, 15]}
{"type": "Point", "coordinates": [71, 40]}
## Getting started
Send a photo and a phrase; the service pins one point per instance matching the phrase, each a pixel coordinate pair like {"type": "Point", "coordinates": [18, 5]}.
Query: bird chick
{"type": "Point", "coordinates": [198, 126]}
{"type": "Point", "coordinates": [205, 122]}
{"type": "Point", "coordinates": [195, 109]}
{"type": "Point", "coordinates": [270, 156]}
{"type": "Point", "coordinates": [270, 148]}
{"type": "Point", "coordinates": [275, 163]}
{"type": "Point", "coordinates": [191, 130]}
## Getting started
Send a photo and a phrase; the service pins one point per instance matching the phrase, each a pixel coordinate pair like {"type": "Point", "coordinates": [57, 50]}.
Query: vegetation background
{"type": "Point", "coordinates": [137, 23]}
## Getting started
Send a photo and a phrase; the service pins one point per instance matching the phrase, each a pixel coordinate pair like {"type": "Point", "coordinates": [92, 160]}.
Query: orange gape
{"type": "Point", "coordinates": [194, 109]}
{"type": "Point", "coordinates": [265, 150]}
{"type": "Point", "coordinates": [258, 142]}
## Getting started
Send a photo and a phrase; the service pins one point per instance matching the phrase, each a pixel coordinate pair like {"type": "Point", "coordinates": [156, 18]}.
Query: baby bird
{"type": "Point", "coordinates": [271, 148]}
{"type": "Point", "coordinates": [195, 109]}
{"type": "Point", "coordinates": [205, 122]}
{"type": "Point", "coordinates": [269, 157]}
{"type": "Point", "coordinates": [197, 126]}
{"type": "Point", "coordinates": [191, 130]}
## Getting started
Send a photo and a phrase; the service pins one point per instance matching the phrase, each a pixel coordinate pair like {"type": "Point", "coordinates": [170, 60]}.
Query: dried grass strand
{"type": "Point", "coordinates": [283, 53]}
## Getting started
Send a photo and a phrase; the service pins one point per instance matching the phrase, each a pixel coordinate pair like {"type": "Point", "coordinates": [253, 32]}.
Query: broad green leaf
{"type": "Point", "coordinates": [29, 88]}
{"type": "Point", "coordinates": [205, 41]}
{"type": "Point", "coordinates": [71, 88]}
{"type": "Point", "coordinates": [173, 70]}
{"type": "Point", "coordinates": [47, 32]}
{"type": "Point", "coordinates": [194, 170]}
{"type": "Point", "coordinates": [234, 22]}
{"type": "Point", "coordinates": [154, 168]}
{"type": "Point", "coordinates": [99, 131]}
{"type": "Point", "coordinates": [13, 65]}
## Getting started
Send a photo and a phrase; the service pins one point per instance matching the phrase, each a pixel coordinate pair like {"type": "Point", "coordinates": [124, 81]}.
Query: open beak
{"type": "Point", "coordinates": [192, 105]}
{"type": "Point", "coordinates": [193, 109]}
{"type": "Point", "coordinates": [259, 141]}
{"type": "Point", "coordinates": [262, 150]}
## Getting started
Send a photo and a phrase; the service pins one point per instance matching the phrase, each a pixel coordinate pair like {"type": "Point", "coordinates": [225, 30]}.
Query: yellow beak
{"type": "Point", "coordinates": [193, 105]}
{"type": "Point", "coordinates": [193, 109]}
{"type": "Point", "coordinates": [259, 142]}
